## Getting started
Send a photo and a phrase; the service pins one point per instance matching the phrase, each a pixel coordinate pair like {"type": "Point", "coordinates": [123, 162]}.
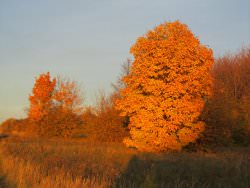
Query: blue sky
{"type": "Point", "coordinates": [87, 41]}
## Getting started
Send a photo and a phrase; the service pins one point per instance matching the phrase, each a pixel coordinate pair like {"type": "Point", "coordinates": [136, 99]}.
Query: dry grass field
{"type": "Point", "coordinates": [75, 163]}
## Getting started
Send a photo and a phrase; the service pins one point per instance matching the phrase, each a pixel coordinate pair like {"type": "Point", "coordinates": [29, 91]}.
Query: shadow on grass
{"type": "Point", "coordinates": [185, 171]}
{"type": "Point", "coordinates": [3, 182]}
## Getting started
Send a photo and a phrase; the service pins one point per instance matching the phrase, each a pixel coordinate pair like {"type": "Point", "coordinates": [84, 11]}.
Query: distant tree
{"type": "Point", "coordinates": [68, 96]}
{"type": "Point", "coordinates": [125, 70]}
{"type": "Point", "coordinates": [118, 86]}
{"type": "Point", "coordinates": [166, 89]}
{"type": "Point", "coordinates": [41, 97]}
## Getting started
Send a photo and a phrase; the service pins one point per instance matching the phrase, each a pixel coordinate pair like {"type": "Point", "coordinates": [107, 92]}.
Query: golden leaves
{"type": "Point", "coordinates": [169, 78]}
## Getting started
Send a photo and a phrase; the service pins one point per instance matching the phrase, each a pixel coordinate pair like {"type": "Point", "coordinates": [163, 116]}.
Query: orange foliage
{"type": "Point", "coordinates": [55, 107]}
{"type": "Point", "coordinates": [41, 98]}
{"type": "Point", "coordinates": [166, 88]}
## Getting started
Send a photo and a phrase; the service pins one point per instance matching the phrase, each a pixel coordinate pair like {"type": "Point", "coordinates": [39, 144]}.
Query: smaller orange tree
{"type": "Point", "coordinates": [41, 98]}
{"type": "Point", "coordinates": [55, 106]}
{"type": "Point", "coordinates": [166, 88]}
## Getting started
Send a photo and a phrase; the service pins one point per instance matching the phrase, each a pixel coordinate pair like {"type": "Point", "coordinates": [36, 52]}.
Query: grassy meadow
{"type": "Point", "coordinates": [76, 163]}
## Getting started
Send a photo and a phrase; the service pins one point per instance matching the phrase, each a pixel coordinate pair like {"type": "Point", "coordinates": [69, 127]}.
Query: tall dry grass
{"type": "Point", "coordinates": [57, 163]}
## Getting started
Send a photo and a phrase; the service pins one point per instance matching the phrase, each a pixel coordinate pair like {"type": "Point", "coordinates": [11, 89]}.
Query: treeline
{"type": "Point", "coordinates": [60, 112]}
{"type": "Point", "coordinates": [227, 113]}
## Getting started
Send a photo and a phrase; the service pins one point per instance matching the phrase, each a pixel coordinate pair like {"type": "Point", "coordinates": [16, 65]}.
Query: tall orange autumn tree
{"type": "Point", "coordinates": [41, 98]}
{"type": "Point", "coordinates": [166, 88]}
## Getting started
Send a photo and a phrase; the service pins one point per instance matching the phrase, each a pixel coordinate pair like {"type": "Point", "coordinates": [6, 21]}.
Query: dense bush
{"type": "Point", "coordinates": [18, 127]}
{"type": "Point", "coordinates": [103, 122]}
